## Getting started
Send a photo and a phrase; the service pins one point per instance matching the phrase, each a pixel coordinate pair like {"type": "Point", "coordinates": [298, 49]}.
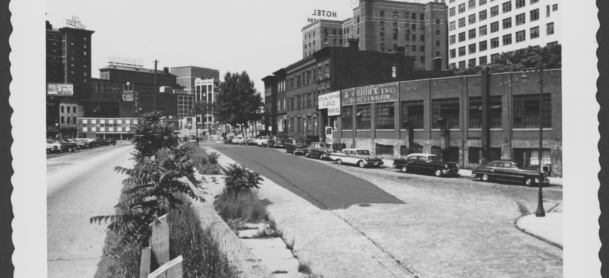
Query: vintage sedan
{"type": "Point", "coordinates": [426, 163]}
{"type": "Point", "coordinates": [359, 157]}
{"type": "Point", "coordinates": [294, 146]}
{"type": "Point", "coordinates": [237, 140]}
{"type": "Point", "coordinates": [320, 150]}
{"type": "Point", "coordinates": [65, 144]}
{"type": "Point", "coordinates": [262, 141]}
{"type": "Point", "coordinates": [80, 144]}
{"type": "Point", "coordinates": [53, 146]}
{"type": "Point", "coordinates": [508, 170]}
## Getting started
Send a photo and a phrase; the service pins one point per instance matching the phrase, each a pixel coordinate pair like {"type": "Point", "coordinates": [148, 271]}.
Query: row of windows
{"type": "Point", "coordinates": [482, 15]}
{"type": "Point", "coordinates": [308, 100]}
{"type": "Point", "coordinates": [68, 108]}
{"type": "Point", "coordinates": [114, 125]}
{"type": "Point", "coordinates": [519, 36]}
{"type": "Point", "coordinates": [407, 15]}
{"type": "Point", "coordinates": [506, 6]}
{"type": "Point", "coordinates": [98, 87]}
{"type": "Point", "coordinates": [308, 77]}
{"type": "Point", "coordinates": [67, 119]}
{"type": "Point", "coordinates": [300, 124]}
{"type": "Point", "coordinates": [525, 113]}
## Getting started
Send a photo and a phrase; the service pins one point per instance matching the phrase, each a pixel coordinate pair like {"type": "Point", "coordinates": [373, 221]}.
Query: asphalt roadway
{"type": "Point", "coordinates": [324, 187]}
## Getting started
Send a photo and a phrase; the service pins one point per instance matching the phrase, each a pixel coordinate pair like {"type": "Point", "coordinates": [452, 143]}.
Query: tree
{"type": "Point", "coordinates": [238, 102]}
{"type": "Point", "coordinates": [548, 57]}
{"type": "Point", "coordinates": [200, 108]}
{"type": "Point", "coordinates": [151, 135]}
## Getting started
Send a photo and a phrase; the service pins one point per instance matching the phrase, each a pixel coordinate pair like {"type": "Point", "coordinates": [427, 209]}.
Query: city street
{"type": "Point", "coordinates": [440, 227]}
{"type": "Point", "coordinates": [81, 185]}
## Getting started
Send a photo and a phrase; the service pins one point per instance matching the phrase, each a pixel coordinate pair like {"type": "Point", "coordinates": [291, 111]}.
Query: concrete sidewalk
{"type": "Point", "coordinates": [548, 228]}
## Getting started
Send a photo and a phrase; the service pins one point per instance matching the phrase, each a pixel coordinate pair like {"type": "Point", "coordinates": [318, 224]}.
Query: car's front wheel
{"type": "Point", "coordinates": [438, 173]}
{"type": "Point", "coordinates": [485, 177]}
{"type": "Point", "coordinates": [529, 181]}
{"type": "Point", "coordinates": [404, 169]}
{"type": "Point", "coordinates": [308, 154]}
{"type": "Point", "coordinates": [361, 164]}
{"type": "Point", "coordinates": [339, 162]}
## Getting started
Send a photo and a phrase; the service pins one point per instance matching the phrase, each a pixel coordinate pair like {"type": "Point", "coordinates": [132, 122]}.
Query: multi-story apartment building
{"type": "Point", "coordinates": [421, 28]}
{"type": "Point", "coordinates": [479, 30]}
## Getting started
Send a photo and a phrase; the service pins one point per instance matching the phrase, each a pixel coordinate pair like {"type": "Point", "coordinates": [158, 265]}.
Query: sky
{"type": "Point", "coordinates": [259, 37]}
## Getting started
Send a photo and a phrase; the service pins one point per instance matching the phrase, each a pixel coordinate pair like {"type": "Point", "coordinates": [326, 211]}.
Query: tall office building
{"type": "Point", "coordinates": [479, 30]}
{"type": "Point", "coordinates": [421, 28]}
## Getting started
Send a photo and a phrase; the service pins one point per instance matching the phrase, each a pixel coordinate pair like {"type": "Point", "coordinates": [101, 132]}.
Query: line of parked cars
{"type": "Point", "coordinates": [74, 144]}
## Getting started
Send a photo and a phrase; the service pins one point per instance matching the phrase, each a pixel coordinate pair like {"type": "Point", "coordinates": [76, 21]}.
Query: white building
{"type": "Point", "coordinates": [479, 30]}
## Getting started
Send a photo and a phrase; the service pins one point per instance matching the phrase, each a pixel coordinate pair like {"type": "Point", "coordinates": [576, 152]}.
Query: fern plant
{"type": "Point", "coordinates": [154, 185]}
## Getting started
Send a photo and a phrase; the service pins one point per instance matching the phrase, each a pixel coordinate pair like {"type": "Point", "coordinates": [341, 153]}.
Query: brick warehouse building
{"type": "Point", "coordinates": [294, 90]}
{"type": "Point", "coordinates": [510, 131]}
{"type": "Point", "coordinates": [421, 28]}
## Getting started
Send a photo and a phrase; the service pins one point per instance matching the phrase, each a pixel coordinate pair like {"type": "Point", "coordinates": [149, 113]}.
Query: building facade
{"type": "Point", "coordinates": [479, 30]}
{"type": "Point", "coordinates": [117, 128]}
{"type": "Point", "coordinates": [298, 86]}
{"type": "Point", "coordinates": [459, 118]}
{"type": "Point", "coordinates": [187, 75]}
{"type": "Point", "coordinates": [384, 26]}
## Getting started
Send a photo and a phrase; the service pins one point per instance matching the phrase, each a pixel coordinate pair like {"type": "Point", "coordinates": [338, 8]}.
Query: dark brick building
{"type": "Point", "coordinates": [292, 108]}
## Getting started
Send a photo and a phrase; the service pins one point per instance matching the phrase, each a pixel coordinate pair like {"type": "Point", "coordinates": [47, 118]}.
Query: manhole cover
{"type": "Point", "coordinates": [364, 205]}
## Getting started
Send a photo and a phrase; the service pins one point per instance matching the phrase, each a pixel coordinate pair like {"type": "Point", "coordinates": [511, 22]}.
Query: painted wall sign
{"type": "Point", "coordinates": [330, 101]}
{"type": "Point", "coordinates": [60, 89]}
{"type": "Point", "coordinates": [371, 94]}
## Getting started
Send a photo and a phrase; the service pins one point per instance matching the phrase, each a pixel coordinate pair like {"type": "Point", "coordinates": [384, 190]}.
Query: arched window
{"type": "Point", "coordinates": [68, 118]}
{"type": "Point", "coordinates": [74, 109]}
{"type": "Point", "coordinates": [68, 107]}
{"type": "Point", "coordinates": [74, 119]}
{"type": "Point", "coordinates": [62, 109]}
{"type": "Point", "coordinates": [62, 118]}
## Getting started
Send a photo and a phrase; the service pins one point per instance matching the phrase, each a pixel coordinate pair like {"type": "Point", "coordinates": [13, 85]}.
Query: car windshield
{"type": "Point", "coordinates": [434, 158]}
{"type": "Point", "coordinates": [363, 152]}
{"type": "Point", "coordinates": [324, 145]}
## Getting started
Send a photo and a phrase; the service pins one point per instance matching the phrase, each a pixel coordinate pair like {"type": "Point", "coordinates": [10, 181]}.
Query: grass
{"type": "Point", "coordinates": [206, 164]}
{"type": "Point", "coordinates": [244, 207]}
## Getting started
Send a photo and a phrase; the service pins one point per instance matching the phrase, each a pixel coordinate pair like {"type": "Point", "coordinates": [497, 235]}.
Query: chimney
{"type": "Point", "coordinates": [353, 43]}
{"type": "Point", "coordinates": [166, 70]}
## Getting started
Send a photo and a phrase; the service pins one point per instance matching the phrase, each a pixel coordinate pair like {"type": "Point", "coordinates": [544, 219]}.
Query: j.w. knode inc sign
{"type": "Point", "coordinates": [371, 94]}
{"type": "Point", "coordinates": [330, 101]}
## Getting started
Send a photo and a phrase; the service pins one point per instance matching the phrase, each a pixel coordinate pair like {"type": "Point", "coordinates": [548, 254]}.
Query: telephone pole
{"type": "Point", "coordinates": [155, 88]}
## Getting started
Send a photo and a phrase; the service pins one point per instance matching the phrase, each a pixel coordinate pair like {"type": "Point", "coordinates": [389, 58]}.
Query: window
{"type": "Point", "coordinates": [382, 13]}
{"type": "Point", "coordinates": [482, 46]}
{"type": "Point", "coordinates": [461, 8]}
{"type": "Point", "coordinates": [437, 32]}
{"type": "Point", "coordinates": [482, 30]}
{"type": "Point", "coordinates": [62, 119]}
{"type": "Point", "coordinates": [422, 38]}
{"type": "Point", "coordinates": [462, 51]}
{"type": "Point", "coordinates": [382, 23]}
{"type": "Point", "coordinates": [414, 37]}
{"type": "Point", "coordinates": [445, 108]}
{"type": "Point", "coordinates": [472, 33]}
{"type": "Point", "coordinates": [520, 36]}
{"type": "Point", "coordinates": [547, 10]}
{"type": "Point", "coordinates": [413, 111]}
{"type": "Point", "coordinates": [453, 53]}
{"type": "Point", "coordinates": [494, 27]}
{"type": "Point", "coordinates": [395, 15]}
{"type": "Point", "coordinates": [461, 36]}
{"type": "Point", "coordinates": [520, 3]}
{"type": "Point", "coordinates": [507, 6]}
{"type": "Point", "coordinates": [437, 43]}
{"type": "Point", "coordinates": [507, 23]}
{"type": "Point", "coordinates": [472, 49]}
{"type": "Point", "coordinates": [526, 111]}
{"type": "Point", "coordinates": [347, 117]}
{"type": "Point", "coordinates": [507, 39]}
{"type": "Point", "coordinates": [494, 57]}
{"type": "Point", "coordinates": [452, 39]}
{"type": "Point", "coordinates": [550, 28]}
{"type": "Point", "coordinates": [554, 8]}
{"type": "Point", "coordinates": [462, 64]}
{"type": "Point", "coordinates": [461, 22]}
{"type": "Point", "coordinates": [471, 4]}
{"type": "Point", "coordinates": [482, 2]}
{"type": "Point", "coordinates": [482, 60]}
{"type": "Point", "coordinates": [414, 16]}
{"type": "Point", "coordinates": [534, 1]}
{"type": "Point", "coordinates": [451, 11]}
{"type": "Point", "coordinates": [451, 26]}
{"type": "Point", "coordinates": [471, 62]}
{"type": "Point", "coordinates": [472, 19]}
{"type": "Point", "coordinates": [395, 35]}
{"type": "Point", "coordinates": [475, 112]}
{"type": "Point", "coordinates": [422, 47]}
{"type": "Point", "coordinates": [534, 15]}
{"type": "Point", "coordinates": [363, 116]}
{"type": "Point", "coordinates": [385, 116]}
{"type": "Point", "coordinates": [482, 15]}
{"type": "Point", "coordinates": [494, 43]}
{"type": "Point", "coordinates": [520, 19]}
{"type": "Point", "coordinates": [534, 32]}
{"type": "Point", "coordinates": [414, 48]}
{"type": "Point", "coordinates": [68, 109]}
{"type": "Point", "coordinates": [421, 16]}
{"type": "Point", "coordinates": [494, 11]}
{"type": "Point", "coordinates": [382, 47]}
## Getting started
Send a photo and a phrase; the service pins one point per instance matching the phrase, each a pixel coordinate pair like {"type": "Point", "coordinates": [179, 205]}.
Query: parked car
{"type": "Point", "coordinates": [250, 141]}
{"type": "Point", "coordinates": [53, 146]}
{"type": "Point", "coordinates": [99, 142]}
{"type": "Point", "coordinates": [110, 141]}
{"type": "Point", "coordinates": [237, 140]}
{"type": "Point", "coordinates": [80, 144]}
{"type": "Point", "coordinates": [427, 164]}
{"type": "Point", "coordinates": [294, 146]}
{"type": "Point", "coordinates": [90, 142]}
{"type": "Point", "coordinates": [508, 170]}
{"type": "Point", "coordinates": [228, 139]}
{"type": "Point", "coordinates": [278, 143]}
{"type": "Point", "coordinates": [264, 141]}
{"type": "Point", "coordinates": [271, 141]}
{"type": "Point", "coordinates": [320, 150]}
{"type": "Point", "coordinates": [359, 157]}
{"type": "Point", "coordinates": [65, 144]}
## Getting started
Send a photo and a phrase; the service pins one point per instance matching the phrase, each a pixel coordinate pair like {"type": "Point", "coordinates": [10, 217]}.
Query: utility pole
{"type": "Point", "coordinates": [154, 90]}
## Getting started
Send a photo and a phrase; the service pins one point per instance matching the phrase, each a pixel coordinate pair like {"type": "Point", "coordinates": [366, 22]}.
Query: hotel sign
{"type": "Point", "coordinates": [60, 90]}
{"type": "Point", "coordinates": [371, 94]}
{"type": "Point", "coordinates": [320, 14]}
{"type": "Point", "coordinates": [330, 101]}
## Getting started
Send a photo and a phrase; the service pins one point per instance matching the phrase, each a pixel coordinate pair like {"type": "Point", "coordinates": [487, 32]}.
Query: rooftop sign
{"type": "Point", "coordinates": [321, 14]}
{"type": "Point", "coordinates": [74, 23]}
{"type": "Point", "coordinates": [66, 90]}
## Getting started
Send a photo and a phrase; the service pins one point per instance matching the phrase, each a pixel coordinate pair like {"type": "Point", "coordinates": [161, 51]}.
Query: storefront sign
{"type": "Point", "coordinates": [330, 101]}
{"type": "Point", "coordinates": [128, 97]}
{"type": "Point", "coordinates": [370, 94]}
{"type": "Point", "coordinates": [60, 90]}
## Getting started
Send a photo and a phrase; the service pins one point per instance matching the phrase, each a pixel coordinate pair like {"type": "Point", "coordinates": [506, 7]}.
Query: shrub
{"type": "Point", "coordinates": [151, 135]}
{"type": "Point", "coordinates": [242, 207]}
{"type": "Point", "coordinates": [206, 163]}
{"type": "Point", "coordinates": [239, 179]}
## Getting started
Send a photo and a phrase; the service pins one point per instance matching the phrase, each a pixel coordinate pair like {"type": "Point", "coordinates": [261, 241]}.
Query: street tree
{"type": "Point", "coordinates": [238, 103]}
{"type": "Point", "coordinates": [151, 135]}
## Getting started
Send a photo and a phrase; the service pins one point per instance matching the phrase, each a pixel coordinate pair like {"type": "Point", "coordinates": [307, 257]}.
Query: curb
{"type": "Point", "coordinates": [534, 235]}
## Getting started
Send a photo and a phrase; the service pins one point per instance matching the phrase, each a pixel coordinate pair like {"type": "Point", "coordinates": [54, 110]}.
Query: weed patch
{"type": "Point", "coordinates": [205, 163]}
{"type": "Point", "coordinates": [244, 207]}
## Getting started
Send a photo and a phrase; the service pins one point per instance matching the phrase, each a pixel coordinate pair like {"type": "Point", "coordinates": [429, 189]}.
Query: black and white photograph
{"type": "Point", "coordinates": [309, 139]}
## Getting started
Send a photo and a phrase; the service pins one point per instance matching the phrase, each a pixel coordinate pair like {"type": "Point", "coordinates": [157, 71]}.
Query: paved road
{"type": "Point", "coordinates": [324, 187]}
{"type": "Point", "coordinates": [79, 186]}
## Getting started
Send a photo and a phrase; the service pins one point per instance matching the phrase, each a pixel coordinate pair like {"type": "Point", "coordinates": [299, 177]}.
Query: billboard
{"type": "Point", "coordinates": [60, 90]}
{"type": "Point", "coordinates": [330, 101]}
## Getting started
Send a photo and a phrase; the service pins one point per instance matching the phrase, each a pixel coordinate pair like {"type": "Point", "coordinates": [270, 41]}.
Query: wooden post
{"type": "Point", "coordinates": [159, 241]}
{"type": "Point", "coordinates": [172, 269]}
{"type": "Point", "coordinates": [145, 263]}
